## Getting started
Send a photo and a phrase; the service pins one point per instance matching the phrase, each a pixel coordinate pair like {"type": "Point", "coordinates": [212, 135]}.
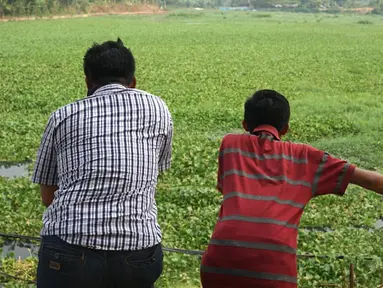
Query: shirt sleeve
{"type": "Point", "coordinates": [220, 169]}
{"type": "Point", "coordinates": [45, 171]}
{"type": "Point", "coordinates": [332, 175]}
{"type": "Point", "coordinates": [166, 151]}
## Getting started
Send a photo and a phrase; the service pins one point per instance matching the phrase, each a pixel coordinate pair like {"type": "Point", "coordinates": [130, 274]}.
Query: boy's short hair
{"type": "Point", "coordinates": [267, 107]}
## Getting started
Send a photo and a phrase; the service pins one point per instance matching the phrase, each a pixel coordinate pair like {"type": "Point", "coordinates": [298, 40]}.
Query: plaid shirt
{"type": "Point", "coordinates": [104, 153]}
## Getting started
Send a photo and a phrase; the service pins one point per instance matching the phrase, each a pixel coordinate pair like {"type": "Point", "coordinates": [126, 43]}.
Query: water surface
{"type": "Point", "coordinates": [14, 170]}
{"type": "Point", "coordinates": [20, 249]}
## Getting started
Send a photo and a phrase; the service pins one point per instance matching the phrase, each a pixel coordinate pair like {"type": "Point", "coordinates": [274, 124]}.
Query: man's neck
{"type": "Point", "coordinates": [96, 87]}
{"type": "Point", "coordinates": [91, 91]}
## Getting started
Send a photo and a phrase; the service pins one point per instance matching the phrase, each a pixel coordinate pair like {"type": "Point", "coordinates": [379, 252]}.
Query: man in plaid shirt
{"type": "Point", "coordinates": [97, 167]}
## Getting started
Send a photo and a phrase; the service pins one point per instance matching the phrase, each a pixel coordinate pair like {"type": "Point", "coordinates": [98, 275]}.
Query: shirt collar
{"type": "Point", "coordinates": [108, 89]}
{"type": "Point", "coordinates": [269, 130]}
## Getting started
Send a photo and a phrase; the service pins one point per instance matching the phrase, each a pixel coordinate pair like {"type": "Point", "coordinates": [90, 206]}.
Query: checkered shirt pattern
{"type": "Point", "coordinates": [104, 153]}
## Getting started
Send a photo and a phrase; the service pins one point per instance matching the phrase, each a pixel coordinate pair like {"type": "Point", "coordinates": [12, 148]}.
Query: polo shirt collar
{"type": "Point", "coordinates": [267, 129]}
{"type": "Point", "coordinates": [108, 89]}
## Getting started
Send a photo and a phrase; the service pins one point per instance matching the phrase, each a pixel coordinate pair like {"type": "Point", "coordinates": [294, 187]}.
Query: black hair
{"type": "Point", "coordinates": [109, 62]}
{"type": "Point", "coordinates": [267, 107]}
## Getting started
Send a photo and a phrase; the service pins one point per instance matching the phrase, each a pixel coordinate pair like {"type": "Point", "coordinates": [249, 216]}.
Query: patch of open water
{"type": "Point", "coordinates": [13, 169]}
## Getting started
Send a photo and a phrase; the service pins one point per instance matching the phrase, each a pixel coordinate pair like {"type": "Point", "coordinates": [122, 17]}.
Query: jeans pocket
{"type": "Point", "coordinates": [60, 266]}
{"type": "Point", "coordinates": [145, 258]}
{"type": "Point", "coordinates": [143, 268]}
{"type": "Point", "coordinates": [63, 252]}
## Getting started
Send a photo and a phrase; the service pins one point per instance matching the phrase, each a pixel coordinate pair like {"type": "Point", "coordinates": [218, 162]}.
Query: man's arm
{"type": "Point", "coordinates": [368, 179]}
{"type": "Point", "coordinates": [165, 159]}
{"type": "Point", "coordinates": [48, 193]}
{"type": "Point", "coordinates": [45, 172]}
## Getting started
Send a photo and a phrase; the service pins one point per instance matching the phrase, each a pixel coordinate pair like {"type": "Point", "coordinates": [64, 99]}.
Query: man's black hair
{"type": "Point", "coordinates": [109, 62]}
{"type": "Point", "coordinates": [267, 107]}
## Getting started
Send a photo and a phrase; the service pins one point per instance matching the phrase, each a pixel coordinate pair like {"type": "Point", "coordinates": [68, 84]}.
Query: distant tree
{"type": "Point", "coordinates": [5, 8]}
{"type": "Point", "coordinates": [349, 3]}
{"type": "Point", "coordinates": [258, 4]}
{"type": "Point", "coordinates": [313, 4]}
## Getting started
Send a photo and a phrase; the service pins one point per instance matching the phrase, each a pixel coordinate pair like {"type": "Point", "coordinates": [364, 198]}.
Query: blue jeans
{"type": "Point", "coordinates": [62, 265]}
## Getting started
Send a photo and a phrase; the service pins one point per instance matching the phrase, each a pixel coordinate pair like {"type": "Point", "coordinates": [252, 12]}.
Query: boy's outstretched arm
{"type": "Point", "coordinates": [333, 175]}
{"type": "Point", "coordinates": [368, 179]}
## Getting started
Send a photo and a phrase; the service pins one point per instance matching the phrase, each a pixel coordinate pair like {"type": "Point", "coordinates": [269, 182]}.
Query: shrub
{"type": "Point", "coordinates": [186, 14]}
{"type": "Point", "coordinates": [261, 15]}
{"type": "Point", "coordinates": [377, 11]}
{"type": "Point", "coordinates": [364, 22]}
{"type": "Point", "coordinates": [333, 11]}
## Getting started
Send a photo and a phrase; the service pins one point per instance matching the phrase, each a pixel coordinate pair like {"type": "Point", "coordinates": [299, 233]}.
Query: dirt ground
{"type": "Point", "coordinates": [99, 10]}
{"type": "Point", "coordinates": [124, 8]}
{"type": "Point", "coordinates": [363, 10]}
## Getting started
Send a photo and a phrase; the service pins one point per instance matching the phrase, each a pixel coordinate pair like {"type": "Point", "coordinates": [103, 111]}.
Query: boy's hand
{"type": "Point", "coordinates": [368, 179]}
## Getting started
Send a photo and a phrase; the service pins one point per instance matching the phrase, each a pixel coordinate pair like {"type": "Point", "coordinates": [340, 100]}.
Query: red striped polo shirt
{"type": "Point", "coordinates": [266, 184]}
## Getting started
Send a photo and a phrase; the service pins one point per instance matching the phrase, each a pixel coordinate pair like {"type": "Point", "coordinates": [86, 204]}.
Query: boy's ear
{"type": "Point", "coordinates": [244, 125]}
{"type": "Point", "coordinates": [284, 130]}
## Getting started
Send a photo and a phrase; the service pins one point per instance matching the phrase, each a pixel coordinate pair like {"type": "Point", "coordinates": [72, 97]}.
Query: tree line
{"type": "Point", "coordinates": [54, 7]}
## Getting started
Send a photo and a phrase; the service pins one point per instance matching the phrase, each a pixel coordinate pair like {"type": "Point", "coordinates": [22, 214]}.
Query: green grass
{"type": "Point", "coordinates": [204, 66]}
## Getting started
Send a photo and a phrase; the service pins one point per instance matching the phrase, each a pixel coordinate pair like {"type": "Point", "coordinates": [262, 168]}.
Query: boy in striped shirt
{"type": "Point", "coordinates": [266, 184]}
